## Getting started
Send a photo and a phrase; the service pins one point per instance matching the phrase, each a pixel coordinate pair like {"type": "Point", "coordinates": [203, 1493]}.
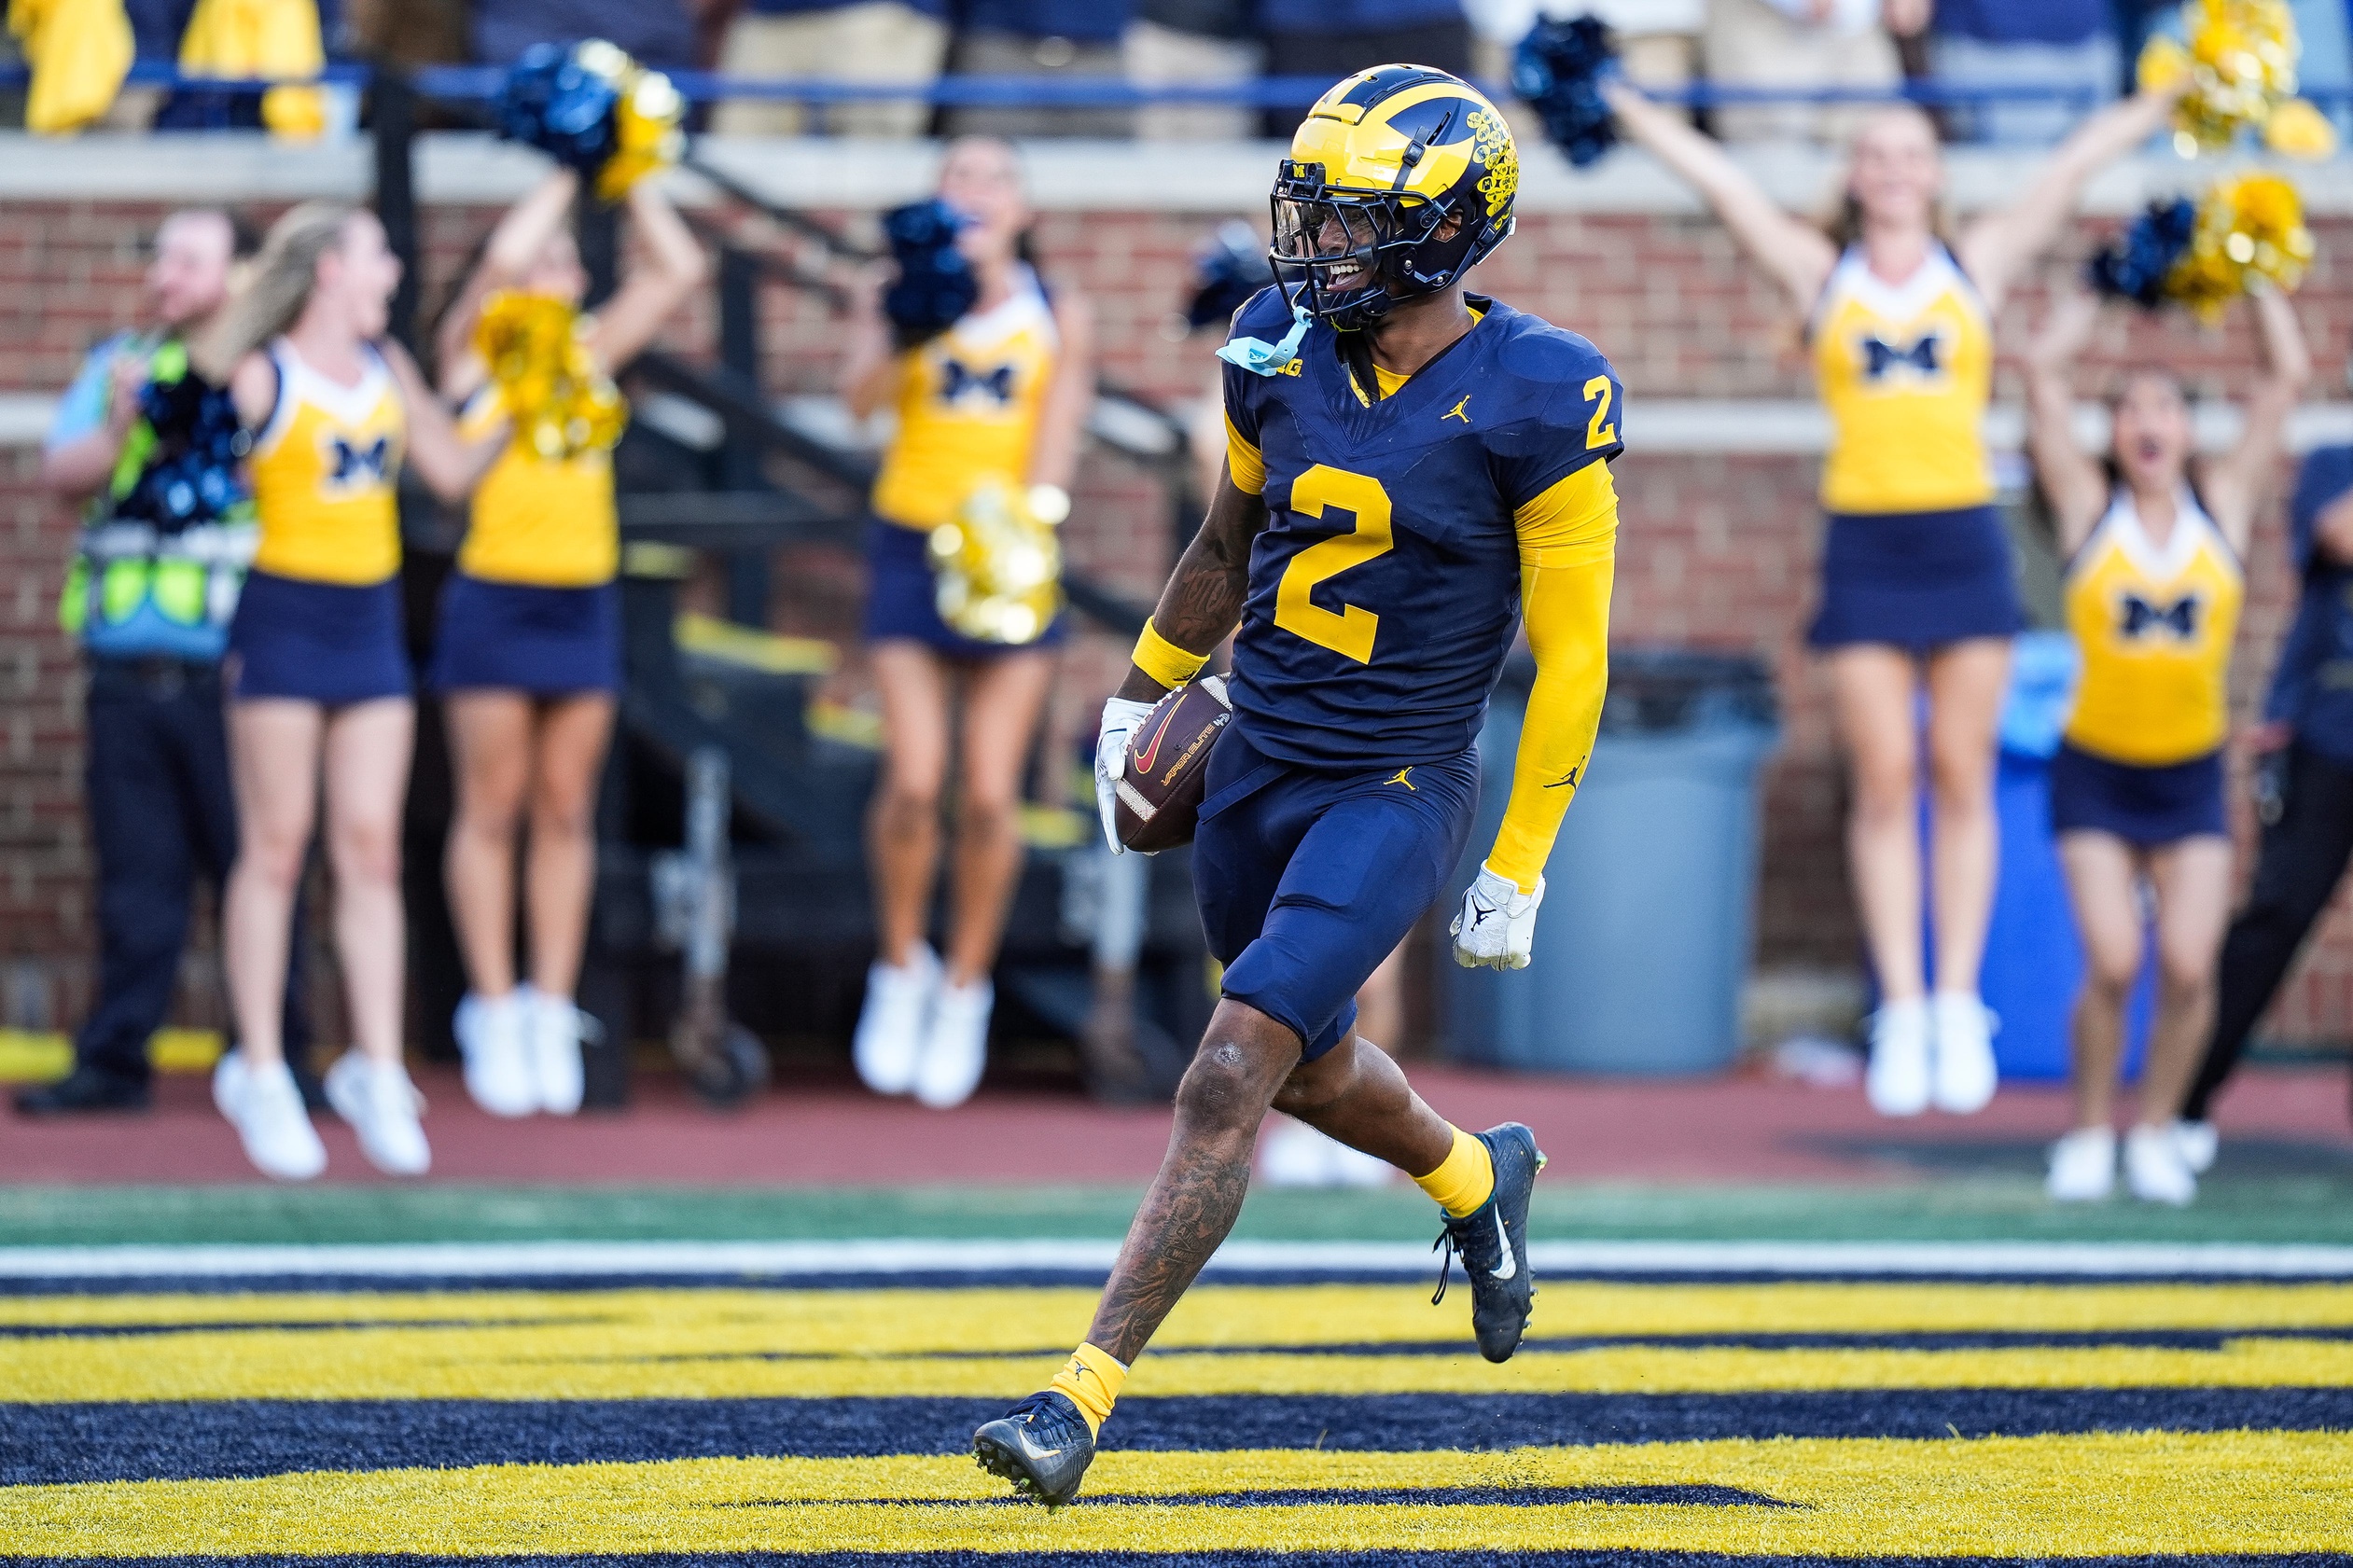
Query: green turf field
{"type": "Point", "coordinates": [2278, 1210]}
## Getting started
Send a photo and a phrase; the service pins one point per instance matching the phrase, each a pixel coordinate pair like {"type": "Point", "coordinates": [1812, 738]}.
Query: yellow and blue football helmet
{"type": "Point", "coordinates": [1380, 164]}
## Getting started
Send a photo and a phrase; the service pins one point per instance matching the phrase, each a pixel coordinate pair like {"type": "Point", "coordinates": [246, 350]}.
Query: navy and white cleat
{"type": "Point", "coordinates": [1042, 1445]}
{"type": "Point", "coordinates": [1492, 1240]}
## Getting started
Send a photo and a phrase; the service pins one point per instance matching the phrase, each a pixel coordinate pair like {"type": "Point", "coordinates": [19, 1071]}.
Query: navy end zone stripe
{"type": "Point", "coordinates": [215, 1439]}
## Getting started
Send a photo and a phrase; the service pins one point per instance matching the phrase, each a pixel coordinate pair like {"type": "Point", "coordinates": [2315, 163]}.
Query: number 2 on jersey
{"type": "Point", "coordinates": [1599, 433]}
{"type": "Point", "coordinates": [1348, 632]}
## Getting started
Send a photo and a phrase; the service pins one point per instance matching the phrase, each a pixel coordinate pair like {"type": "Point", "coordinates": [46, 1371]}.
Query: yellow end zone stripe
{"type": "Point", "coordinates": [593, 1363]}
{"type": "Point", "coordinates": [2147, 1492]}
{"type": "Point", "coordinates": [1053, 1318]}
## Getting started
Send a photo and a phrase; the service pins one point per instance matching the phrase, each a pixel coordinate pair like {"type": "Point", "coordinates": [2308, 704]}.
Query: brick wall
{"type": "Point", "coordinates": [1718, 549]}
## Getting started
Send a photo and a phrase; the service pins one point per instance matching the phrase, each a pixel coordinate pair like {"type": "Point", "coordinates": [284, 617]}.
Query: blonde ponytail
{"type": "Point", "coordinates": [276, 287]}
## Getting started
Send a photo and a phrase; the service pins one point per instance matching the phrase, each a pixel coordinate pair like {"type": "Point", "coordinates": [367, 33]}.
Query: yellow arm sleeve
{"type": "Point", "coordinates": [1568, 548]}
{"type": "Point", "coordinates": [1244, 462]}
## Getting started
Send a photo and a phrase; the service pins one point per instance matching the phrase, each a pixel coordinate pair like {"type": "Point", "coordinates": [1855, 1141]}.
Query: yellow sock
{"type": "Point", "coordinates": [1464, 1180]}
{"type": "Point", "coordinates": [1093, 1377]}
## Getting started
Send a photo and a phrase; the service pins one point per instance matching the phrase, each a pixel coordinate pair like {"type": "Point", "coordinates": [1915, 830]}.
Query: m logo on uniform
{"type": "Point", "coordinates": [1923, 355]}
{"type": "Point", "coordinates": [959, 379]}
{"type": "Point", "coordinates": [2138, 617]}
{"type": "Point", "coordinates": [350, 467]}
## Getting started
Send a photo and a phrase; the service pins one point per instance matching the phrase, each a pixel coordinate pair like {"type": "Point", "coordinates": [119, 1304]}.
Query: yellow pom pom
{"type": "Point", "coordinates": [2239, 68]}
{"type": "Point", "coordinates": [2163, 62]}
{"type": "Point", "coordinates": [2249, 226]}
{"type": "Point", "coordinates": [2297, 130]}
{"type": "Point", "coordinates": [648, 132]}
{"type": "Point", "coordinates": [997, 568]}
{"type": "Point", "coordinates": [562, 405]}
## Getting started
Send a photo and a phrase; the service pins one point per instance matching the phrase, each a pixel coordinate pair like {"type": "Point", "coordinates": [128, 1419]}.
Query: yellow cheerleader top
{"type": "Point", "coordinates": [969, 402]}
{"type": "Point", "coordinates": [1905, 371]}
{"type": "Point", "coordinates": [323, 474]}
{"type": "Point", "coordinates": [2154, 627]}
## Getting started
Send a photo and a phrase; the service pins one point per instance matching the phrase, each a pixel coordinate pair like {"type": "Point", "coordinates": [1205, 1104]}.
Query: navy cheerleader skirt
{"type": "Point", "coordinates": [324, 642]}
{"type": "Point", "coordinates": [1916, 580]}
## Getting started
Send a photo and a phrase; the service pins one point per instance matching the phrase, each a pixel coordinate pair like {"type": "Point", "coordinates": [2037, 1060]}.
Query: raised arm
{"type": "Point", "coordinates": [671, 269]}
{"type": "Point", "coordinates": [514, 245]}
{"type": "Point", "coordinates": [1799, 256]}
{"type": "Point", "coordinates": [2071, 477]}
{"type": "Point", "coordinates": [450, 464]}
{"type": "Point", "coordinates": [1997, 247]}
{"type": "Point", "coordinates": [2238, 483]}
{"type": "Point", "coordinates": [1061, 420]}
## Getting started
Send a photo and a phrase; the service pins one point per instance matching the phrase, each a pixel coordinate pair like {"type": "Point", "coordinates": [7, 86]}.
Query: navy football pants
{"type": "Point", "coordinates": [1308, 878]}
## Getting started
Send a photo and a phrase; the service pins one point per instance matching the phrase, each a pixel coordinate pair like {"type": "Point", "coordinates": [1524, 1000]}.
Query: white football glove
{"type": "Point", "coordinates": [1496, 928]}
{"type": "Point", "coordinates": [1119, 719]}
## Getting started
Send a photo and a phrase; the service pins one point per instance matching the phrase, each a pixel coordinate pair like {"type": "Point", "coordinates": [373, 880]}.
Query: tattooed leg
{"type": "Point", "coordinates": [1244, 1060]}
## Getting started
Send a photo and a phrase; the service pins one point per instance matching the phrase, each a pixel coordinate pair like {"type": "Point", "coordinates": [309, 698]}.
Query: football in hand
{"type": "Point", "coordinates": [1168, 765]}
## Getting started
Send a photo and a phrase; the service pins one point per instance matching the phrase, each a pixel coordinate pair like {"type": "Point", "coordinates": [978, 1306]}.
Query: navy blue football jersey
{"type": "Point", "coordinates": [1384, 590]}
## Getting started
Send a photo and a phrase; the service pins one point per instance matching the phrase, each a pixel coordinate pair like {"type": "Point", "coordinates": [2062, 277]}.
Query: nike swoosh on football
{"type": "Point", "coordinates": [1511, 1265]}
{"type": "Point", "coordinates": [1144, 758]}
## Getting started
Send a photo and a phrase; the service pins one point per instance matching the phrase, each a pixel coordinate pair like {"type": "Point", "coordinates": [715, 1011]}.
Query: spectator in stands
{"type": "Point", "coordinates": [1918, 598]}
{"type": "Point", "coordinates": [1040, 38]}
{"type": "Point", "coordinates": [1193, 43]}
{"type": "Point", "coordinates": [322, 683]}
{"type": "Point", "coordinates": [528, 656]}
{"type": "Point", "coordinates": [1001, 398]}
{"type": "Point", "coordinates": [1799, 45]}
{"type": "Point", "coordinates": [894, 43]}
{"type": "Point", "coordinates": [1328, 39]}
{"type": "Point", "coordinates": [656, 32]}
{"type": "Point", "coordinates": [2067, 48]}
{"type": "Point", "coordinates": [157, 792]}
{"type": "Point", "coordinates": [2305, 792]}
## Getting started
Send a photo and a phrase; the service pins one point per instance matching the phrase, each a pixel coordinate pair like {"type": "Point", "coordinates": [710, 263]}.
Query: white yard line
{"type": "Point", "coordinates": [654, 1260]}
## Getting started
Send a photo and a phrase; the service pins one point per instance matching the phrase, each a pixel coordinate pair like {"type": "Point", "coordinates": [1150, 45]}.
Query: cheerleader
{"type": "Point", "coordinates": [2154, 539]}
{"type": "Point", "coordinates": [527, 660]}
{"type": "Point", "coordinates": [1001, 397]}
{"type": "Point", "coordinates": [1916, 595]}
{"type": "Point", "coordinates": [320, 682]}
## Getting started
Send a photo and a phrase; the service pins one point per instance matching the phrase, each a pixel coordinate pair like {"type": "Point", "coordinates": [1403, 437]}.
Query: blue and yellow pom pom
{"type": "Point", "coordinates": [192, 474]}
{"type": "Point", "coordinates": [2240, 69]}
{"type": "Point", "coordinates": [590, 107]}
{"type": "Point", "coordinates": [935, 285]}
{"type": "Point", "coordinates": [2248, 226]}
{"type": "Point", "coordinates": [561, 404]}
{"type": "Point", "coordinates": [1558, 70]}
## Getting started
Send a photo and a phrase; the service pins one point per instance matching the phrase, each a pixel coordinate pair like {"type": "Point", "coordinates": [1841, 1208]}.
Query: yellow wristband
{"type": "Point", "coordinates": [1163, 660]}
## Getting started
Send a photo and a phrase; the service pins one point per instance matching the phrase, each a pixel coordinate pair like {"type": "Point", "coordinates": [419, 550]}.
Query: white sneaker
{"type": "Point", "coordinates": [955, 1045]}
{"type": "Point", "coordinates": [494, 1036]}
{"type": "Point", "coordinates": [552, 1027]}
{"type": "Point", "coordinates": [891, 1025]}
{"type": "Point", "coordinates": [2083, 1166]}
{"type": "Point", "coordinates": [382, 1105]}
{"type": "Point", "coordinates": [1964, 1073]}
{"type": "Point", "coordinates": [2199, 1143]}
{"type": "Point", "coordinates": [265, 1109]}
{"type": "Point", "coordinates": [2154, 1170]}
{"type": "Point", "coordinates": [1897, 1080]}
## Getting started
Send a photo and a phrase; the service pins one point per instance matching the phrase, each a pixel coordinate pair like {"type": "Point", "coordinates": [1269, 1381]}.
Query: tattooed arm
{"type": "Point", "coordinates": [1203, 602]}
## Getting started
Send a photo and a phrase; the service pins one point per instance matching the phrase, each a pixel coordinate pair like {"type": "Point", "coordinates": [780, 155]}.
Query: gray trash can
{"type": "Point", "coordinates": [1649, 896]}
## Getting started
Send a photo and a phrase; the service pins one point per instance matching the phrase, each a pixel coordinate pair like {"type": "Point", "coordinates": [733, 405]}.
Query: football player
{"type": "Point", "coordinates": [1411, 471]}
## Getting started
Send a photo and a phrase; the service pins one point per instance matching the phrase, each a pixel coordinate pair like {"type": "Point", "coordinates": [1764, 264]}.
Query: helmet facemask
{"type": "Point", "coordinates": [1357, 253]}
